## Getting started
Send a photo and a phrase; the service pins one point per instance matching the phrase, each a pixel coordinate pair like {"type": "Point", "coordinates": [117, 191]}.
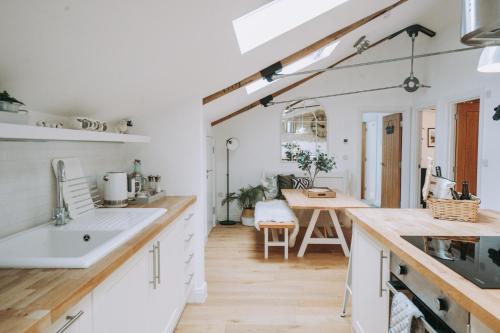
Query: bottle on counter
{"type": "Point", "coordinates": [137, 176]}
{"type": "Point", "coordinates": [465, 191]}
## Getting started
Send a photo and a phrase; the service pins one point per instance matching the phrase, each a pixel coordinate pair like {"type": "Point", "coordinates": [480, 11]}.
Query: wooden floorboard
{"type": "Point", "coordinates": [248, 294]}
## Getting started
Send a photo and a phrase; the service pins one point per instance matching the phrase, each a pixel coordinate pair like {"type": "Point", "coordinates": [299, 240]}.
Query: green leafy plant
{"type": "Point", "coordinates": [247, 196]}
{"type": "Point", "coordinates": [291, 150]}
{"type": "Point", "coordinates": [5, 97]}
{"type": "Point", "coordinates": [321, 162]}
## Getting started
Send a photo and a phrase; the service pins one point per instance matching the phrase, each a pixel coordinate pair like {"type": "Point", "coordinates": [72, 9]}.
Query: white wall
{"type": "Point", "coordinates": [453, 78]}
{"type": "Point", "coordinates": [177, 152]}
{"type": "Point", "coordinates": [27, 182]}
{"type": "Point", "coordinates": [259, 128]}
{"type": "Point", "coordinates": [428, 121]}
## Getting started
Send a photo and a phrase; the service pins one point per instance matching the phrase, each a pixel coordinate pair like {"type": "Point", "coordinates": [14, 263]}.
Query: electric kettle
{"type": "Point", "coordinates": [115, 189]}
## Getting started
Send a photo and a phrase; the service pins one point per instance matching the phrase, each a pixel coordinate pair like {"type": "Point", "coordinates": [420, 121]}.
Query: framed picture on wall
{"type": "Point", "coordinates": [431, 137]}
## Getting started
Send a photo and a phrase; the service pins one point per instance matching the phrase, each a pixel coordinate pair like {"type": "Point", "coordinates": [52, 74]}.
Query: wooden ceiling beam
{"type": "Point", "coordinates": [294, 85]}
{"type": "Point", "coordinates": [304, 52]}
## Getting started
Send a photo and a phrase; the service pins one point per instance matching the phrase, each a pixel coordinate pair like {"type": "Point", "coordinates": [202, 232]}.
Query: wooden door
{"type": "Point", "coordinates": [392, 135]}
{"type": "Point", "coordinates": [466, 144]}
{"type": "Point", "coordinates": [363, 160]}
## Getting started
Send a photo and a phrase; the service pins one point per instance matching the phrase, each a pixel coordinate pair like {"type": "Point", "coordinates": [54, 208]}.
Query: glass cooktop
{"type": "Point", "coordinates": [475, 258]}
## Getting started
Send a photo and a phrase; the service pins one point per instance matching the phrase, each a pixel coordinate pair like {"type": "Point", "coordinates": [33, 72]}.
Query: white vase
{"type": "Point", "coordinates": [248, 221]}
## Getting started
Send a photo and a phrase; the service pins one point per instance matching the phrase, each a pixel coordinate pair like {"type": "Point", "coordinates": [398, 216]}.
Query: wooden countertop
{"type": "Point", "coordinates": [387, 225]}
{"type": "Point", "coordinates": [298, 200]}
{"type": "Point", "coordinates": [32, 299]}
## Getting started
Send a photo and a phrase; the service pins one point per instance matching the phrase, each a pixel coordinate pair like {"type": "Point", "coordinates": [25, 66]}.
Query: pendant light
{"type": "Point", "coordinates": [489, 62]}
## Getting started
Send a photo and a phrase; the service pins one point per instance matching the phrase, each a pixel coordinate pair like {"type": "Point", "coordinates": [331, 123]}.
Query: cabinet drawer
{"type": "Point", "coordinates": [76, 320]}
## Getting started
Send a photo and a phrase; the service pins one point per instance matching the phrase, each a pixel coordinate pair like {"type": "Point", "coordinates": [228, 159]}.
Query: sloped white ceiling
{"type": "Point", "coordinates": [116, 58]}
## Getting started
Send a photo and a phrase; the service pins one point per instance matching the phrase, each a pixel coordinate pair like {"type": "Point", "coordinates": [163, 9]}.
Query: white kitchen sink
{"type": "Point", "coordinates": [78, 244]}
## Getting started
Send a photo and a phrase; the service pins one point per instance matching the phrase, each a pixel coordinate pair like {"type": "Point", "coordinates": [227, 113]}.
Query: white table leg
{"type": "Point", "coordinates": [318, 233]}
{"type": "Point", "coordinates": [266, 241]}
{"type": "Point", "coordinates": [340, 233]}
{"type": "Point", "coordinates": [307, 236]}
{"type": "Point", "coordinates": [286, 243]}
{"type": "Point", "coordinates": [274, 234]}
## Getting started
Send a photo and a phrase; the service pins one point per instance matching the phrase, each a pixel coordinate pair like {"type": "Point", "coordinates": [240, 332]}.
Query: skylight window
{"type": "Point", "coordinates": [276, 18]}
{"type": "Point", "coordinates": [295, 66]}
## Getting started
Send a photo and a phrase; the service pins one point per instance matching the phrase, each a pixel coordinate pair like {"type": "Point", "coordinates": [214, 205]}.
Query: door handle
{"type": "Point", "coordinates": [158, 261]}
{"type": "Point", "coordinates": [70, 321]}
{"type": "Point", "coordinates": [381, 275]}
{"type": "Point", "coordinates": [154, 281]}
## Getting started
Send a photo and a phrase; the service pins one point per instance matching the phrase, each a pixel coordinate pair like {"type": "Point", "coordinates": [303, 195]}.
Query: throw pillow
{"type": "Point", "coordinates": [301, 183]}
{"type": "Point", "coordinates": [284, 182]}
{"type": "Point", "coordinates": [271, 185]}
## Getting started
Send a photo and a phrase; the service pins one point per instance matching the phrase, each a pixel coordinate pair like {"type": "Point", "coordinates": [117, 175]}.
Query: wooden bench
{"type": "Point", "coordinates": [275, 226]}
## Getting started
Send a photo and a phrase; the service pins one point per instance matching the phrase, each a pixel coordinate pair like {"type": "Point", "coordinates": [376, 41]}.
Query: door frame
{"type": "Point", "coordinates": [214, 190]}
{"type": "Point", "coordinates": [452, 136]}
{"type": "Point", "coordinates": [418, 151]}
{"type": "Point", "coordinates": [406, 179]}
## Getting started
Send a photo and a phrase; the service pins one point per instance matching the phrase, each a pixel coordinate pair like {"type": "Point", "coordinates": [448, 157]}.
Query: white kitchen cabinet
{"type": "Point", "coordinates": [476, 326]}
{"type": "Point", "coordinates": [166, 293]}
{"type": "Point", "coordinates": [77, 320]}
{"type": "Point", "coordinates": [120, 302]}
{"type": "Point", "coordinates": [146, 294]}
{"type": "Point", "coordinates": [370, 271]}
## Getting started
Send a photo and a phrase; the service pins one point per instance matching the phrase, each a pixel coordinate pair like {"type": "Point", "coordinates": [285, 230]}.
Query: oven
{"type": "Point", "coordinates": [441, 313]}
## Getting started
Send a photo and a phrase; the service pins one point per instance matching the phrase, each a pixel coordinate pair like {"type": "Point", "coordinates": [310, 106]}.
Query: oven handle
{"type": "Point", "coordinates": [427, 326]}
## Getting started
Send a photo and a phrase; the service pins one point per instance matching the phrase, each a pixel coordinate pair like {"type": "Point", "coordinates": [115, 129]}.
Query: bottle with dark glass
{"type": "Point", "coordinates": [465, 191]}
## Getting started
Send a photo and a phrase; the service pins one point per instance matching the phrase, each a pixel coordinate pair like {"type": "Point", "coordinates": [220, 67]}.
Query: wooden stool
{"type": "Point", "coordinates": [274, 226]}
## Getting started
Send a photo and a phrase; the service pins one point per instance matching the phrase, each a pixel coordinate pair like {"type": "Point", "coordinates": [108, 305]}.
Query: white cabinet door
{"type": "Point", "coordinates": [477, 326]}
{"type": "Point", "coordinates": [165, 298]}
{"type": "Point", "coordinates": [77, 320]}
{"type": "Point", "coordinates": [119, 303]}
{"type": "Point", "coordinates": [370, 271]}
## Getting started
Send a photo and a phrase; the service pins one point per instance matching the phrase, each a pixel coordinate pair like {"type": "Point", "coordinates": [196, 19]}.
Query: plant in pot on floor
{"type": "Point", "coordinates": [321, 162]}
{"type": "Point", "coordinates": [247, 199]}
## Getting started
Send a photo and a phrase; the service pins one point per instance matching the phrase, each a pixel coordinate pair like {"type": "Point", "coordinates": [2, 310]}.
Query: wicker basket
{"type": "Point", "coordinates": [456, 210]}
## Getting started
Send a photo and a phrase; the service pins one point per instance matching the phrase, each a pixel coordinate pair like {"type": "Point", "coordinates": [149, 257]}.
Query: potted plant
{"type": "Point", "coordinates": [9, 103]}
{"type": "Point", "coordinates": [247, 199]}
{"type": "Point", "coordinates": [321, 162]}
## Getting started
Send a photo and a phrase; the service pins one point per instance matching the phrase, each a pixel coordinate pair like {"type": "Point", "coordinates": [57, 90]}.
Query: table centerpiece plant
{"type": "Point", "coordinates": [314, 164]}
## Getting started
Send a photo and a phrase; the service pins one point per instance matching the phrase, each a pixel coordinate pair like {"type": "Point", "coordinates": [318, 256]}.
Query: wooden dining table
{"type": "Point", "coordinates": [298, 200]}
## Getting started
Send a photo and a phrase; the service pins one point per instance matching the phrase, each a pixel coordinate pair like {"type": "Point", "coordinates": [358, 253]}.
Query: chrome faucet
{"type": "Point", "coordinates": [60, 210]}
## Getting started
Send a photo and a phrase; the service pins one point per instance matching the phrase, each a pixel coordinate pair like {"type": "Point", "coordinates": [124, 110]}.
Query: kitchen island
{"type": "Point", "coordinates": [384, 228]}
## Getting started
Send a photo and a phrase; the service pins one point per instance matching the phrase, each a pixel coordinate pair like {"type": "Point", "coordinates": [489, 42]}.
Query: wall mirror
{"type": "Point", "coordinates": [303, 127]}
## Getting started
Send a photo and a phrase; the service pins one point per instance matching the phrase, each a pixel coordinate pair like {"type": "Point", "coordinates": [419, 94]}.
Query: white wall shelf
{"type": "Point", "coordinates": [13, 132]}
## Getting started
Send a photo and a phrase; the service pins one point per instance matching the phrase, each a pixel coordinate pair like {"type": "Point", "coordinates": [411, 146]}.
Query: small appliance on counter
{"type": "Point", "coordinates": [142, 189]}
{"type": "Point", "coordinates": [115, 190]}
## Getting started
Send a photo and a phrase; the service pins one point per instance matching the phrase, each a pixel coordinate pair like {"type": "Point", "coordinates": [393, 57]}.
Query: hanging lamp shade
{"type": "Point", "coordinates": [489, 62]}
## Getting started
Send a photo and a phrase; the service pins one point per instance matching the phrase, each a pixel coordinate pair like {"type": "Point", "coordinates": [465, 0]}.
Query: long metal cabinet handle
{"type": "Point", "coordinates": [153, 251]}
{"type": "Point", "coordinates": [158, 261]}
{"type": "Point", "coordinates": [381, 276]}
{"type": "Point", "coordinates": [190, 258]}
{"type": "Point", "coordinates": [70, 321]}
{"type": "Point", "coordinates": [190, 279]}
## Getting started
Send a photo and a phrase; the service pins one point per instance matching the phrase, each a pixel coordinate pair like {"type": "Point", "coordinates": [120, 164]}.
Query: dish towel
{"type": "Point", "coordinates": [276, 211]}
{"type": "Point", "coordinates": [402, 313]}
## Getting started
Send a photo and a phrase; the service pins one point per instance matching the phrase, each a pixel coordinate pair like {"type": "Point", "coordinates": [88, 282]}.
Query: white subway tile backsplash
{"type": "Point", "coordinates": [27, 182]}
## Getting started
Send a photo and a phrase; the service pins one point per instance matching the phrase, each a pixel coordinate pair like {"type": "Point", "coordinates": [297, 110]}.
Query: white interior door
{"type": "Point", "coordinates": [210, 184]}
